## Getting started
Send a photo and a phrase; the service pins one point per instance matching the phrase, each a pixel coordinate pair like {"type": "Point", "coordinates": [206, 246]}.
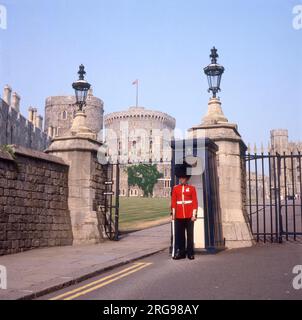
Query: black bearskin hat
{"type": "Point", "coordinates": [181, 170]}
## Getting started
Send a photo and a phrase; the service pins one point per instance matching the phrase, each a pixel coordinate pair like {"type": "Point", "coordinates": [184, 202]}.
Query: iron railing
{"type": "Point", "coordinates": [108, 212]}
{"type": "Point", "coordinates": [274, 199]}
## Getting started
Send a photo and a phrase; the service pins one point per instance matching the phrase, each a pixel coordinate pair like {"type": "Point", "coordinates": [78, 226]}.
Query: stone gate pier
{"type": "Point", "coordinates": [86, 179]}
{"type": "Point", "coordinates": [231, 173]}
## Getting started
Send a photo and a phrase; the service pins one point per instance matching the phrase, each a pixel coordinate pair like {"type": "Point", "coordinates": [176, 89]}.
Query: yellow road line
{"type": "Point", "coordinates": [107, 282]}
{"type": "Point", "coordinates": [97, 281]}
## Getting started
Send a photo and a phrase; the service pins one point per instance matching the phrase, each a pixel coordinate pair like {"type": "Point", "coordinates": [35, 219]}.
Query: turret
{"type": "Point", "coordinates": [279, 140]}
{"type": "Point", "coordinates": [7, 94]}
{"type": "Point", "coordinates": [16, 101]}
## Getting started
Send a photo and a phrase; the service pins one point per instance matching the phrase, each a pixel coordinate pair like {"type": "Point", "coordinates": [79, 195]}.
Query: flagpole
{"type": "Point", "coordinates": [136, 83]}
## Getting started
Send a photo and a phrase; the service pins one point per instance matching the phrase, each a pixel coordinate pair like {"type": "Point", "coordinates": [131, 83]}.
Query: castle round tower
{"type": "Point", "coordinates": [140, 135]}
{"type": "Point", "coordinates": [60, 111]}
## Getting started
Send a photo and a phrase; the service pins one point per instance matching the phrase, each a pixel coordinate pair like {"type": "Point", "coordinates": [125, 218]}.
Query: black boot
{"type": "Point", "coordinates": [179, 256]}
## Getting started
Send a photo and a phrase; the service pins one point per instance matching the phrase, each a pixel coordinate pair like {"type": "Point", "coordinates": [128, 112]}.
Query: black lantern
{"type": "Point", "coordinates": [214, 72]}
{"type": "Point", "coordinates": [81, 88]}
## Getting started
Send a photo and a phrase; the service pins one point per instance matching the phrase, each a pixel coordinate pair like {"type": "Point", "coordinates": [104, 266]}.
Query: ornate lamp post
{"type": "Point", "coordinates": [214, 73]}
{"type": "Point", "coordinates": [81, 88]}
{"type": "Point", "coordinates": [231, 187]}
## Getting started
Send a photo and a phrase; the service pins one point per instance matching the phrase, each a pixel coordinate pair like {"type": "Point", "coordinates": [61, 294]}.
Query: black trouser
{"type": "Point", "coordinates": [181, 227]}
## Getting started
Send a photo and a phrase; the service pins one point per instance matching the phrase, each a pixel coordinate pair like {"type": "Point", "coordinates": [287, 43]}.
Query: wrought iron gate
{"type": "Point", "coordinates": [274, 199]}
{"type": "Point", "coordinates": [109, 210]}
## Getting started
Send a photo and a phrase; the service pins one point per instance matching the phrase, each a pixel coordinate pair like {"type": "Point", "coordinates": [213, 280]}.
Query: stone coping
{"type": "Point", "coordinates": [74, 143]}
{"type": "Point", "coordinates": [5, 156]}
{"type": "Point", "coordinates": [232, 126]}
{"type": "Point", "coordinates": [216, 125]}
{"type": "Point", "coordinates": [18, 150]}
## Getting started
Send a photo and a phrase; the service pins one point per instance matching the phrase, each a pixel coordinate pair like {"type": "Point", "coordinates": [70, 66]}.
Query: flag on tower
{"type": "Point", "coordinates": [135, 82]}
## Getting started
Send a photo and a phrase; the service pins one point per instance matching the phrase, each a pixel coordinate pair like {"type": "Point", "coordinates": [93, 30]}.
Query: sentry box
{"type": "Point", "coordinates": [199, 158]}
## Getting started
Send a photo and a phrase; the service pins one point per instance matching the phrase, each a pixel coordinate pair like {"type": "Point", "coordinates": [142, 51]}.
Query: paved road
{"type": "Point", "coordinates": [35, 271]}
{"type": "Point", "coordinates": [262, 272]}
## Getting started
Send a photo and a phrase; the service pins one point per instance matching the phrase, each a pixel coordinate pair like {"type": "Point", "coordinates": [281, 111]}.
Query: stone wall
{"type": "Point", "coordinates": [86, 182]}
{"type": "Point", "coordinates": [16, 129]}
{"type": "Point", "coordinates": [33, 201]}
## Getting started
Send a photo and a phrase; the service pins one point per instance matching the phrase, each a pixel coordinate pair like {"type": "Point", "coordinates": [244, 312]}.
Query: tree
{"type": "Point", "coordinates": [144, 176]}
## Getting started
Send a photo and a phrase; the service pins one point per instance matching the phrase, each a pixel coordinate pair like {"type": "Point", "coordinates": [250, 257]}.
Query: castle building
{"type": "Point", "coordinates": [287, 170]}
{"type": "Point", "coordinates": [60, 111]}
{"type": "Point", "coordinates": [290, 175]}
{"type": "Point", "coordinates": [139, 135]}
{"type": "Point", "coordinates": [15, 129]}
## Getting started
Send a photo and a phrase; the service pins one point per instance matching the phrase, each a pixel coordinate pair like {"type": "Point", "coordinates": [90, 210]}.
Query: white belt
{"type": "Point", "coordinates": [184, 202]}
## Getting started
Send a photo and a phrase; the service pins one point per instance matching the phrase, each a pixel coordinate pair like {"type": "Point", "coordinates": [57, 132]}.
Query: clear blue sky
{"type": "Point", "coordinates": [165, 44]}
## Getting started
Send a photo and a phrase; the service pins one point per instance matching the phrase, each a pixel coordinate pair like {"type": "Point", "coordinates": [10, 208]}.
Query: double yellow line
{"type": "Point", "coordinates": [95, 285]}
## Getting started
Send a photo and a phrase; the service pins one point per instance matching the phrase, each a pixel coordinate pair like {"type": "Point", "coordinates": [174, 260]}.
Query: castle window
{"type": "Point", "coordinates": [64, 115]}
{"type": "Point", "coordinates": [134, 147]}
{"type": "Point", "coordinates": [119, 148]}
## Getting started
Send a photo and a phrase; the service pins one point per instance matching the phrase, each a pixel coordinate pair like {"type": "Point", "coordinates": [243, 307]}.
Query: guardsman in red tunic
{"type": "Point", "coordinates": [184, 207]}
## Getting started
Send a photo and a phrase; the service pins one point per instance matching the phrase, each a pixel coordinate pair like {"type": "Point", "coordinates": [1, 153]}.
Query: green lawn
{"type": "Point", "coordinates": [139, 213]}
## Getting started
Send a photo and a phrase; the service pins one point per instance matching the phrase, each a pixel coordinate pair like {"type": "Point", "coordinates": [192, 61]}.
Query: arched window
{"type": "Point", "coordinates": [64, 115]}
{"type": "Point", "coordinates": [134, 147]}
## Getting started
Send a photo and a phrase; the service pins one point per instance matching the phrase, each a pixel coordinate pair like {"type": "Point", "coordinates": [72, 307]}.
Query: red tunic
{"type": "Point", "coordinates": [184, 201]}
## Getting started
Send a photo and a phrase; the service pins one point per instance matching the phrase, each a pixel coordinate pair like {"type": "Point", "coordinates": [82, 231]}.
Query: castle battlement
{"type": "Point", "coordinates": [17, 129]}
{"type": "Point", "coordinates": [140, 113]}
{"type": "Point", "coordinates": [71, 100]}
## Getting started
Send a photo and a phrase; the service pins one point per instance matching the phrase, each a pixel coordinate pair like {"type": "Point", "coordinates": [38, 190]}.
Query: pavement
{"type": "Point", "coordinates": [263, 272]}
{"type": "Point", "coordinates": [42, 271]}
{"type": "Point", "coordinates": [139, 267]}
